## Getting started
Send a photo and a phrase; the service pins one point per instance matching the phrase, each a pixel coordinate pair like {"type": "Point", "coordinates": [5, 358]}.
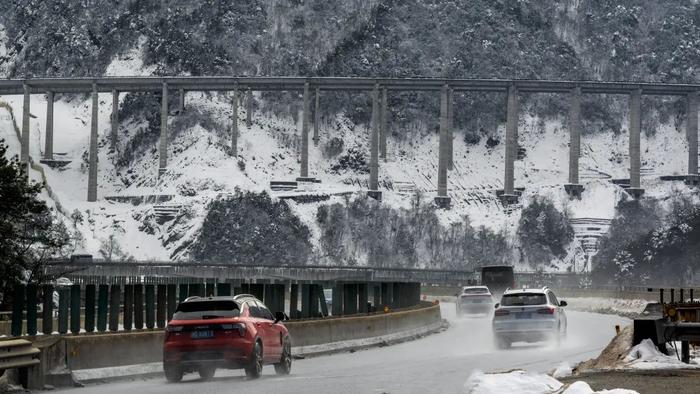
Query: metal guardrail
{"type": "Point", "coordinates": [17, 353]}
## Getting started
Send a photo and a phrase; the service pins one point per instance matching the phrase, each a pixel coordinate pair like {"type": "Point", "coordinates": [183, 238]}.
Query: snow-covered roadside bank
{"type": "Point", "coordinates": [528, 383]}
{"type": "Point", "coordinates": [611, 306]}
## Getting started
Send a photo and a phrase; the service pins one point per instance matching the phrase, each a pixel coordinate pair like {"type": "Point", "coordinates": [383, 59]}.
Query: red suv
{"type": "Point", "coordinates": [207, 333]}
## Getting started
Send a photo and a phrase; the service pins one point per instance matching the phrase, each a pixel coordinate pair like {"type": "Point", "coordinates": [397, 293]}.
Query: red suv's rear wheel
{"type": "Point", "coordinates": [173, 373]}
{"type": "Point", "coordinates": [254, 369]}
{"type": "Point", "coordinates": [284, 367]}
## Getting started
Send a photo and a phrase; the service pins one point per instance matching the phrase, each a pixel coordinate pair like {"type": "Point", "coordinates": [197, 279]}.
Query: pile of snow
{"type": "Point", "coordinates": [511, 382]}
{"type": "Point", "coordinates": [527, 383]}
{"type": "Point", "coordinates": [645, 355]}
{"type": "Point", "coordinates": [563, 370]}
{"type": "Point", "coordinates": [583, 388]}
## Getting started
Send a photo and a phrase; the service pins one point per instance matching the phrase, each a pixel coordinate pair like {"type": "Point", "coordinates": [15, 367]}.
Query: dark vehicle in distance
{"type": "Point", "coordinates": [498, 278]}
{"type": "Point", "coordinates": [207, 333]}
{"type": "Point", "coordinates": [474, 300]}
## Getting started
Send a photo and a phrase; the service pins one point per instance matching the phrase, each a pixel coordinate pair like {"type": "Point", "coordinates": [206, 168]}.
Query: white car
{"type": "Point", "coordinates": [528, 315]}
{"type": "Point", "coordinates": [474, 300]}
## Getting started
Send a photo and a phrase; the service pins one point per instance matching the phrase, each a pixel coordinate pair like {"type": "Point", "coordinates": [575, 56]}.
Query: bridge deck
{"type": "Point", "coordinates": [223, 83]}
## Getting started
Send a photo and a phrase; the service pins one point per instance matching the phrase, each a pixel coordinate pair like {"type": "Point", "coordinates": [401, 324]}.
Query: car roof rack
{"type": "Point", "coordinates": [190, 298]}
{"type": "Point", "coordinates": [240, 296]}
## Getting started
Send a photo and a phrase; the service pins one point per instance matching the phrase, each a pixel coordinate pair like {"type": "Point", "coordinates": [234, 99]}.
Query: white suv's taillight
{"type": "Point", "coordinates": [546, 311]}
{"type": "Point", "coordinates": [501, 312]}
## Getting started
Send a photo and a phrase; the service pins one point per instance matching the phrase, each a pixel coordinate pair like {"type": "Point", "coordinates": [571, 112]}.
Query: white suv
{"type": "Point", "coordinates": [528, 315]}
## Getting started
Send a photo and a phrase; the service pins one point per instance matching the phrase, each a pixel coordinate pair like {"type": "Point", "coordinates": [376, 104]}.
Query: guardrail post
{"type": "Point", "coordinates": [90, 308]}
{"type": "Point", "coordinates": [47, 310]}
{"type": "Point", "coordinates": [138, 306]}
{"type": "Point", "coordinates": [18, 310]}
{"type": "Point", "coordinates": [128, 318]}
{"type": "Point", "coordinates": [337, 301]}
{"type": "Point", "coordinates": [196, 289]}
{"type": "Point", "coordinates": [314, 300]}
{"type": "Point", "coordinates": [172, 300]}
{"type": "Point", "coordinates": [293, 301]}
{"type": "Point", "coordinates": [322, 301]}
{"type": "Point", "coordinates": [92, 171]}
{"type": "Point", "coordinates": [257, 290]}
{"type": "Point", "coordinates": [377, 297]}
{"type": "Point", "coordinates": [75, 309]}
{"type": "Point", "coordinates": [63, 310]}
{"type": "Point", "coordinates": [114, 304]}
{"type": "Point", "coordinates": [398, 296]}
{"type": "Point", "coordinates": [305, 295]}
{"type": "Point", "coordinates": [349, 298]}
{"type": "Point", "coordinates": [161, 305]}
{"type": "Point", "coordinates": [362, 297]}
{"type": "Point", "coordinates": [183, 292]}
{"type": "Point", "coordinates": [31, 309]}
{"type": "Point", "coordinates": [102, 307]}
{"type": "Point", "coordinates": [223, 289]}
{"type": "Point", "coordinates": [150, 306]}
{"type": "Point", "coordinates": [48, 144]}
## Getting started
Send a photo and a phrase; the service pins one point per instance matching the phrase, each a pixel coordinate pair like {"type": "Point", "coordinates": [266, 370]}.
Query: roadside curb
{"type": "Point", "coordinates": [155, 370]}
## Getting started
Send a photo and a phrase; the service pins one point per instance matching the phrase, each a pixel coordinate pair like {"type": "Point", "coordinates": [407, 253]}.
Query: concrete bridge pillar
{"type": "Point", "coordinates": [92, 172]}
{"type": "Point", "coordinates": [304, 173]}
{"type": "Point", "coordinates": [388, 295]}
{"type": "Point", "coordinates": [384, 125]}
{"type": "Point", "coordinates": [113, 136]}
{"type": "Point", "coordinates": [249, 109]}
{"type": "Point", "coordinates": [442, 200]}
{"type": "Point", "coordinates": [450, 128]}
{"type": "Point", "coordinates": [317, 115]}
{"type": "Point", "coordinates": [138, 306]}
{"type": "Point", "coordinates": [573, 188]}
{"type": "Point", "coordinates": [181, 103]}
{"type": "Point", "coordinates": [512, 109]}
{"type": "Point", "coordinates": [234, 124]}
{"type": "Point", "coordinates": [313, 300]}
{"type": "Point", "coordinates": [24, 155]}
{"type": "Point", "coordinates": [374, 146]}
{"type": "Point", "coordinates": [692, 130]}
{"type": "Point", "coordinates": [634, 142]}
{"type": "Point", "coordinates": [305, 304]}
{"type": "Point", "coordinates": [377, 296]}
{"type": "Point", "coordinates": [128, 312]}
{"type": "Point", "coordinates": [48, 144]}
{"type": "Point", "coordinates": [163, 160]}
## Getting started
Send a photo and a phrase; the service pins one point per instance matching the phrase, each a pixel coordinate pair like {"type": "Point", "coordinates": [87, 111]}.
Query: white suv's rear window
{"type": "Point", "coordinates": [524, 299]}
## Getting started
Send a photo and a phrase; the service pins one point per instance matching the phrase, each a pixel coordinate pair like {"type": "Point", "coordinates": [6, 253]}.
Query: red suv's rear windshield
{"type": "Point", "coordinates": [520, 299]}
{"type": "Point", "coordinates": [195, 310]}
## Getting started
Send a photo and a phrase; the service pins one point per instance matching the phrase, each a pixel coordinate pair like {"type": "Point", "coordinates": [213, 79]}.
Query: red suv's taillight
{"type": "Point", "coordinates": [238, 327]}
{"type": "Point", "coordinates": [546, 311]}
{"type": "Point", "coordinates": [501, 312]}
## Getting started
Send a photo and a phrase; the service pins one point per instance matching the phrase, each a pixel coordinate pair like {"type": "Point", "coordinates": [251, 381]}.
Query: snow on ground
{"type": "Point", "coordinates": [645, 355]}
{"type": "Point", "coordinates": [523, 382]}
{"type": "Point", "coordinates": [607, 305]}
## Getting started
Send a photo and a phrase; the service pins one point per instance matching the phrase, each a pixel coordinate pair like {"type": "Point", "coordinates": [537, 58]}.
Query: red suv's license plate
{"type": "Point", "coordinates": [202, 334]}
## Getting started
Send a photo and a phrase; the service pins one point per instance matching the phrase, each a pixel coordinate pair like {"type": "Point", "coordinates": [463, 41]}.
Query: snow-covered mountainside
{"type": "Point", "coordinates": [145, 216]}
{"type": "Point", "coordinates": [200, 170]}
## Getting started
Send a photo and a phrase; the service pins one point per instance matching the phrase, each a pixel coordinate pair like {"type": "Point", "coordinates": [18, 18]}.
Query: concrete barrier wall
{"type": "Point", "coordinates": [126, 348]}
